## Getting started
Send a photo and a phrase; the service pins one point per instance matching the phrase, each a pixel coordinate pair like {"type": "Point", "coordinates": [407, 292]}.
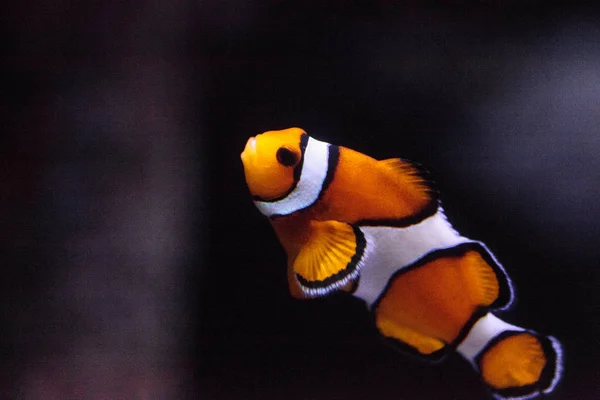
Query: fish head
{"type": "Point", "coordinates": [272, 162]}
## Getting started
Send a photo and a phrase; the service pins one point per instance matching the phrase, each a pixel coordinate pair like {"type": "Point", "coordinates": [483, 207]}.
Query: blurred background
{"type": "Point", "coordinates": [134, 264]}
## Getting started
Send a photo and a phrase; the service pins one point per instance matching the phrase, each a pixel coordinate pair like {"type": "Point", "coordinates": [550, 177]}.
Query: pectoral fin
{"type": "Point", "coordinates": [330, 258]}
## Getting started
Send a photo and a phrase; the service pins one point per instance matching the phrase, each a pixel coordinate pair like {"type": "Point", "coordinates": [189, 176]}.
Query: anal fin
{"type": "Point", "coordinates": [410, 341]}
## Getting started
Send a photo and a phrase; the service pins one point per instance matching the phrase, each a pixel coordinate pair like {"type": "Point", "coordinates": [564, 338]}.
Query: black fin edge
{"type": "Point", "coordinates": [426, 175]}
{"type": "Point", "coordinates": [430, 209]}
{"type": "Point", "coordinates": [361, 244]}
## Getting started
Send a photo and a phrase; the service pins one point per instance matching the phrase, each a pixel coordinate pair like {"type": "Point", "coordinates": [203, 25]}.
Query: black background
{"type": "Point", "coordinates": [499, 100]}
{"type": "Point", "coordinates": [399, 81]}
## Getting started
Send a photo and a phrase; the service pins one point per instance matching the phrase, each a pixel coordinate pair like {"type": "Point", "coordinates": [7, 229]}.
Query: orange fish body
{"type": "Point", "coordinates": [376, 229]}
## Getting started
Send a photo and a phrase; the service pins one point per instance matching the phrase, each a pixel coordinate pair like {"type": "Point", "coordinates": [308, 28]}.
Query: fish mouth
{"type": "Point", "coordinates": [250, 149]}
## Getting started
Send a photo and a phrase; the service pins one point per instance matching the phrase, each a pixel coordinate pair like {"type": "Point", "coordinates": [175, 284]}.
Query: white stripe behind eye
{"type": "Point", "coordinates": [306, 192]}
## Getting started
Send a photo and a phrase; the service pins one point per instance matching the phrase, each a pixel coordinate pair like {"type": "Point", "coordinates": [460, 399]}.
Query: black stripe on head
{"type": "Point", "coordinates": [332, 163]}
{"type": "Point", "coordinates": [297, 174]}
{"type": "Point", "coordinates": [349, 269]}
{"type": "Point", "coordinates": [298, 168]}
{"type": "Point", "coordinates": [548, 372]}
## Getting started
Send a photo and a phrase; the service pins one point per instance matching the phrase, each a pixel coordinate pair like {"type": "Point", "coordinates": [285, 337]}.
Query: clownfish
{"type": "Point", "coordinates": [376, 229]}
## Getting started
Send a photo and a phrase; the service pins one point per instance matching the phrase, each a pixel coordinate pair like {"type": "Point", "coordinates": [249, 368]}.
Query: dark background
{"type": "Point", "coordinates": [134, 262]}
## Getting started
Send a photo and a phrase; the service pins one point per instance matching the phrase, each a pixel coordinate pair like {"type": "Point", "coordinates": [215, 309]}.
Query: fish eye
{"type": "Point", "coordinates": [286, 157]}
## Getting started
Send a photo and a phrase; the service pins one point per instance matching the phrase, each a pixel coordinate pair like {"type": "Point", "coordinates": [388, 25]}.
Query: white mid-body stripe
{"type": "Point", "coordinates": [484, 330]}
{"type": "Point", "coordinates": [391, 249]}
{"type": "Point", "coordinates": [306, 192]}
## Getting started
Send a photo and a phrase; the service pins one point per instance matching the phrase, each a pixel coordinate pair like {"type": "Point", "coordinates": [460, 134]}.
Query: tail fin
{"type": "Point", "coordinates": [513, 362]}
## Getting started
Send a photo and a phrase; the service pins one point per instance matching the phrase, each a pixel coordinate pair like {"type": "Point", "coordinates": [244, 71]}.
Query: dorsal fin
{"type": "Point", "coordinates": [410, 195]}
{"type": "Point", "coordinates": [412, 174]}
